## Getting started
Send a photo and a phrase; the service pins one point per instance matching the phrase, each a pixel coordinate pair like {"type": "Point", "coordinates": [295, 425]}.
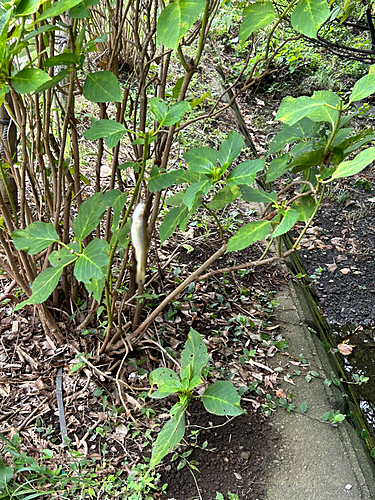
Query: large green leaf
{"type": "Point", "coordinates": [167, 380]}
{"type": "Point", "coordinates": [81, 10]}
{"type": "Point", "coordinates": [170, 435]}
{"type": "Point", "coordinates": [28, 80]}
{"type": "Point", "coordinates": [93, 259]}
{"type": "Point", "coordinates": [6, 474]}
{"type": "Point", "coordinates": [96, 287]}
{"type": "Point", "coordinates": [251, 194]}
{"type": "Point", "coordinates": [63, 257]}
{"type": "Point", "coordinates": [201, 160]}
{"type": "Point", "coordinates": [194, 357]}
{"type": "Point", "coordinates": [64, 59]}
{"type": "Point", "coordinates": [306, 159]}
{"type": "Point", "coordinates": [157, 181]}
{"type": "Point", "coordinates": [89, 215]}
{"type": "Point", "coordinates": [53, 81]}
{"type": "Point", "coordinates": [225, 196]}
{"type": "Point", "coordinates": [102, 86]}
{"type": "Point", "coordinates": [42, 287]}
{"type": "Point", "coordinates": [326, 114]}
{"type": "Point", "coordinates": [351, 167]}
{"type": "Point", "coordinates": [277, 167]}
{"type": "Point", "coordinates": [193, 191]}
{"type": "Point", "coordinates": [221, 398]}
{"type": "Point", "coordinates": [256, 15]}
{"type": "Point", "coordinates": [112, 130]}
{"type": "Point", "coordinates": [27, 7]}
{"type": "Point", "coordinates": [290, 218]}
{"type": "Point", "coordinates": [229, 149]}
{"type": "Point", "coordinates": [247, 235]}
{"type": "Point", "coordinates": [305, 207]}
{"type": "Point", "coordinates": [364, 87]}
{"type": "Point", "coordinates": [175, 113]}
{"type": "Point", "coordinates": [292, 110]}
{"type": "Point", "coordinates": [309, 15]}
{"type": "Point", "coordinates": [287, 135]}
{"type": "Point", "coordinates": [245, 172]}
{"type": "Point", "coordinates": [171, 220]}
{"type": "Point", "coordinates": [58, 8]}
{"type": "Point", "coordinates": [175, 20]}
{"type": "Point", "coordinates": [35, 238]}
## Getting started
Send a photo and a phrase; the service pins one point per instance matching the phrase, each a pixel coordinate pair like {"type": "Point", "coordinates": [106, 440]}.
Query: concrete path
{"type": "Point", "coordinates": [314, 461]}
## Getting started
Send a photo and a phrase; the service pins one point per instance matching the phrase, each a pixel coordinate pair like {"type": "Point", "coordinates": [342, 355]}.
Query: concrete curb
{"type": "Point", "coordinates": [314, 461]}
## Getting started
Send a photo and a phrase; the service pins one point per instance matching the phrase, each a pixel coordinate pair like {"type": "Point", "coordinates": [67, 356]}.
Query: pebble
{"type": "Point", "coordinates": [348, 487]}
{"type": "Point", "coordinates": [245, 455]}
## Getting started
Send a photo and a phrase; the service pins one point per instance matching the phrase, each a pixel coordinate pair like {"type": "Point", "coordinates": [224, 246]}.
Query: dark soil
{"type": "Point", "coordinates": [342, 243]}
{"type": "Point", "coordinates": [234, 460]}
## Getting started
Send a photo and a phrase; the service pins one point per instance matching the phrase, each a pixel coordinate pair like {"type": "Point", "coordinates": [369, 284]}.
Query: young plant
{"type": "Point", "coordinates": [220, 398]}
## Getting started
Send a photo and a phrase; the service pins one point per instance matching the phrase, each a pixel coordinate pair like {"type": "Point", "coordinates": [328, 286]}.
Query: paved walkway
{"type": "Point", "coordinates": [314, 461]}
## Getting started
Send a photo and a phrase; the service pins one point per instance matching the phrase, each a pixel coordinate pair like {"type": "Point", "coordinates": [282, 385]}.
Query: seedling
{"type": "Point", "coordinates": [221, 398]}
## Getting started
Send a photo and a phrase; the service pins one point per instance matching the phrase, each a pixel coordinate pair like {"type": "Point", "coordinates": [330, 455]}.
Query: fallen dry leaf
{"type": "Point", "coordinates": [345, 270]}
{"type": "Point", "coordinates": [332, 267]}
{"type": "Point", "coordinates": [280, 393]}
{"type": "Point", "coordinates": [345, 349]}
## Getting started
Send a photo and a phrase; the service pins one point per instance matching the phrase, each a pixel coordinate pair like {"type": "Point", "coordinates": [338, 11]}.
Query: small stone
{"type": "Point", "coordinates": [348, 487]}
{"type": "Point", "coordinates": [245, 455]}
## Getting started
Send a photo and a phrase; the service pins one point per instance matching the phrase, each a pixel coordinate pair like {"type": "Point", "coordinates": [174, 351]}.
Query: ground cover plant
{"type": "Point", "coordinates": [66, 241]}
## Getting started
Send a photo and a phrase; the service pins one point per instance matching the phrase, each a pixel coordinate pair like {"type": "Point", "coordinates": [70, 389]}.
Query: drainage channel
{"type": "Point", "coordinates": [360, 397]}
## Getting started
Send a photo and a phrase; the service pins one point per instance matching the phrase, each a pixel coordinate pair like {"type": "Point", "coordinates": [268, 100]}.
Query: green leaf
{"type": "Point", "coordinates": [291, 216]}
{"type": "Point", "coordinates": [325, 114]}
{"type": "Point", "coordinates": [42, 287]}
{"type": "Point", "coordinates": [221, 398]}
{"type": "Point", "coordinates": [28, 80]}
{"type": "Point", "coordinates": [247, 235]}
{"type": "Point", "coordinates": [287, 135]}
{"type": "Point", "coordinates": [305, 207]}
{"type": "Point", "coordinates": [6, 474]}
{"type": "Point", "coordinates": [96, 287]}
{"type": "Point", "coordinates": [229, 149]}
{"type": "Point", "coordinates": [277, 167]}
{"type": "Point", "coordinates": [58, 8]}
{"type": "Point", "coordinates": [35, 238]}
{"type": "Point", "coordinates": [63, 257]}
{"type": "Point", "coordinates": [117, 203]}
{"type": "Point", "coordinates": [81, 11]}
{"type": "Point", "coordinates": [255, 16]}
{"type": "Point", "coordinates": [158, 108]}
{"type": "Point", "coordinates": [112, 130]}
{"type": "Point", "coordinates": [364, 87]}
{"type": "Point", "coordinates": [175, 20]}
{"type": "Point", "coordinates": [42, 29]}
{"type": "Point", "coordinates": [167, 380]}
{"type": "Point", "coordinates": [201, 160]}
{"type": "Point", "coordinates": [193, 190]}
{"type": "Point", "coordinates": [157, 181]}
{"type": "Point", "coordinates": [92, 260]}
{"type": "Point", "coordinates": [194, 357]}
{"type": "Point", "coordinates": [306, 159]}
{"type": "Point", "coordinates": [175, 113]}
{"type": "Point", "coordinates": [245, 172]}
{"type": "Point", "coordinates": [170, 435]}
{"type": "Point", "coordinates": [351, 167]}
{"type": "Point", "coordinates": [102, 86]}
{"type": "Point", "coordinates": [251, 194]}
{"type": "Point", "coordinates": [225, 196]}
{"type": "Point", "coordinates": [123, 235]}
{"type": "Point", "coordinates": [292, 110]}
{"type": "Point", "coordinates": [89, 215]}
{"type": "Point", "coordinates": [172, 219]}
{"type": "Point", "coordinates": [303, 408]}
{"type": "Point", "coordinates": [53, 81]}
{"type": "Point", "coordinates": [64, 59]}
{"type": "Point", "coordinates": [27, 7]}
{"type": "Point", "coordinates": [309, 15]}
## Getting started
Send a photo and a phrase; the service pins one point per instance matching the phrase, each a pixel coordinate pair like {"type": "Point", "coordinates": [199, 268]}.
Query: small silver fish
{"type": "Point", "coordinates": [140, 241]}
